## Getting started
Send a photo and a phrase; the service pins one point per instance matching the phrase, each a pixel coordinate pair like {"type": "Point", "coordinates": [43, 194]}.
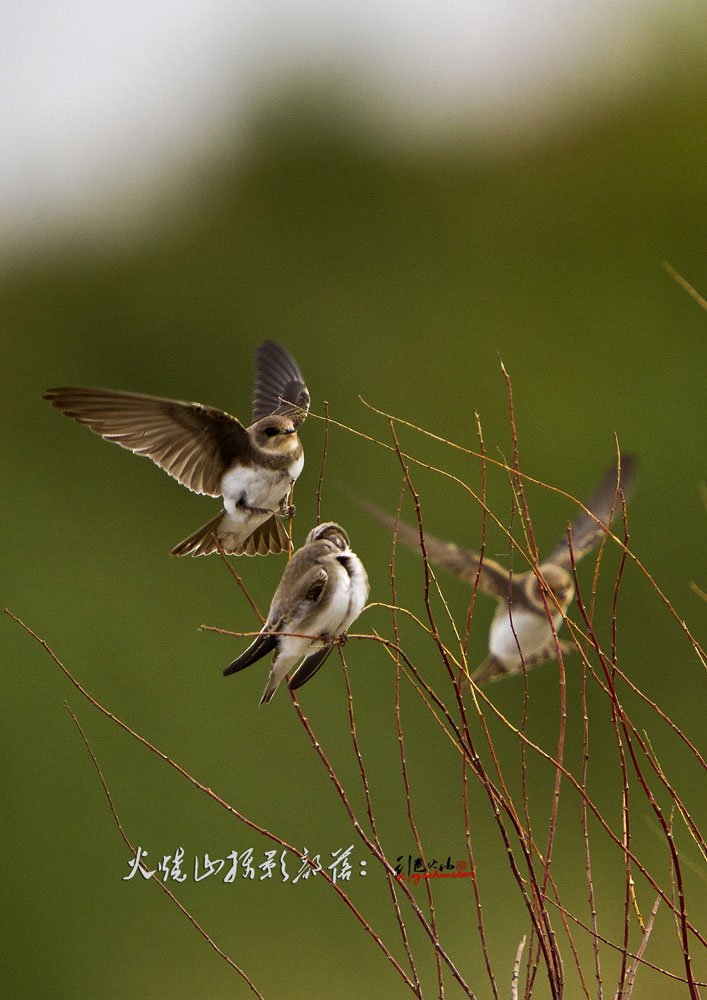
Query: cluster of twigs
{"type": "Point", "coordinates": [462, 711]}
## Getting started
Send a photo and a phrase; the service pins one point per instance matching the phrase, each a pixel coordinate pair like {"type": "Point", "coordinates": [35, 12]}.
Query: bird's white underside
{"type": "Point", "coordinates": [532, 631]}
{"type": "Point", "coordinates": [257, 487]}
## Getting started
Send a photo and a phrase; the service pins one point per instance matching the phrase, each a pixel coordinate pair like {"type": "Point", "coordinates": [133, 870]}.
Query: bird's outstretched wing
{"type": "Point", "coordinates": [279, 385]}
{"type": "Point", "coordinates": [493, 578]}
{"type": "Point", "coordinates": [194, 444]}
{"type": "Point", "coordinates": [604, 505]}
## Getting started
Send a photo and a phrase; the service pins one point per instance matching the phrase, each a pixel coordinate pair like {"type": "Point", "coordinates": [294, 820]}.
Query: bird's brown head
{"type": "Point", "coordinates": [276, 434]}
{"type": "Point", "coordinates": [331, 532]}
{"type": "Point", "coordinates": [555, 581]}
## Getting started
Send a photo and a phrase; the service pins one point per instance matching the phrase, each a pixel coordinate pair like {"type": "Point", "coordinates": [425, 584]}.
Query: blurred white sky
{"type": "Point", "coordinates": [97, 95]}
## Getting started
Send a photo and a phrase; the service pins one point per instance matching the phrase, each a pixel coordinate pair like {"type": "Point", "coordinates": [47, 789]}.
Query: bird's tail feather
{"type": "Point", "coordinates": [270, 689]}
{"type": "Point", "coordinates": [202, 541]}
{"type": "Point", "coordinates": [270, 536]}
{"type": "Point", "coordinates": [489, 670]}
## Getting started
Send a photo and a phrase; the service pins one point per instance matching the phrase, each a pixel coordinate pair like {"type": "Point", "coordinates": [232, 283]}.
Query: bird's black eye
{"type": "Point", "coordinates": [271, 431]}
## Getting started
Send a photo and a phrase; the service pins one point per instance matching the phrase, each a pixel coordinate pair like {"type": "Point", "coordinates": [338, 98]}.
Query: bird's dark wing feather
{"type": "Point", "coordinates": [604, 505]}
{"type": "Point", "coordinates": [261, 646]}
{"type": "Point", "coordinates": [195, 444]}
{"type": "Point", "coordinates": [463, 562]}
{"type": "Point", "coordinates": [279, 385]}
{"type": "Point", "coordinates": [309, 666]}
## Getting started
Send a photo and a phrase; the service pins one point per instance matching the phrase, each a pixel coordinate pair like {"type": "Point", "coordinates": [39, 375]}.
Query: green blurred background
{"type": "Point", "coordinates": [402, 276]}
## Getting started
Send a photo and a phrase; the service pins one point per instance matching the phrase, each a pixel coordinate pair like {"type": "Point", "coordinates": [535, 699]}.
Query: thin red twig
{"type": "Point", "coordinates": [321, 468]}
{"type": "Point", "coordinates": [154, 877]}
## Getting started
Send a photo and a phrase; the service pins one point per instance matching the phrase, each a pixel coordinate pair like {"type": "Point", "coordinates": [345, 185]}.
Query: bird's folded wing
{"type": "Point", "coordinates": [604, 505]}
{"type": "Point", "coordinates": [195, 444]}
{"type": "Point", "coordinates": [279, 385]}
{"type": "Point", "coordinates": [493, 578]}
{"type": "Point", "coordinates": [309, 666]}
{"type": "Point", "coordinates": [260, 647]}
{"type": "Point", "coordinates": [298, 596]}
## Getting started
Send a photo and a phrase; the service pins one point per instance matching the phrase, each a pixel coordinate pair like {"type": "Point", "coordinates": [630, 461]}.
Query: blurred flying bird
{"type": "Point", "coordinates": [322, 591]}
{"type": "Point", "coordinates": [209, 451]}
{"type": "Point", "coordinates": [520, 630]}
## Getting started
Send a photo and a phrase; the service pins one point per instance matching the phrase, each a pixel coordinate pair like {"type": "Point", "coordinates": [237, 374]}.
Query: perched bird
{"type": "Point", "coordinates": [521, 619]}
{"type": "Point", "coordinates": [322, 591]}
{"type": "Point", "coordinates": [209, 451]}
